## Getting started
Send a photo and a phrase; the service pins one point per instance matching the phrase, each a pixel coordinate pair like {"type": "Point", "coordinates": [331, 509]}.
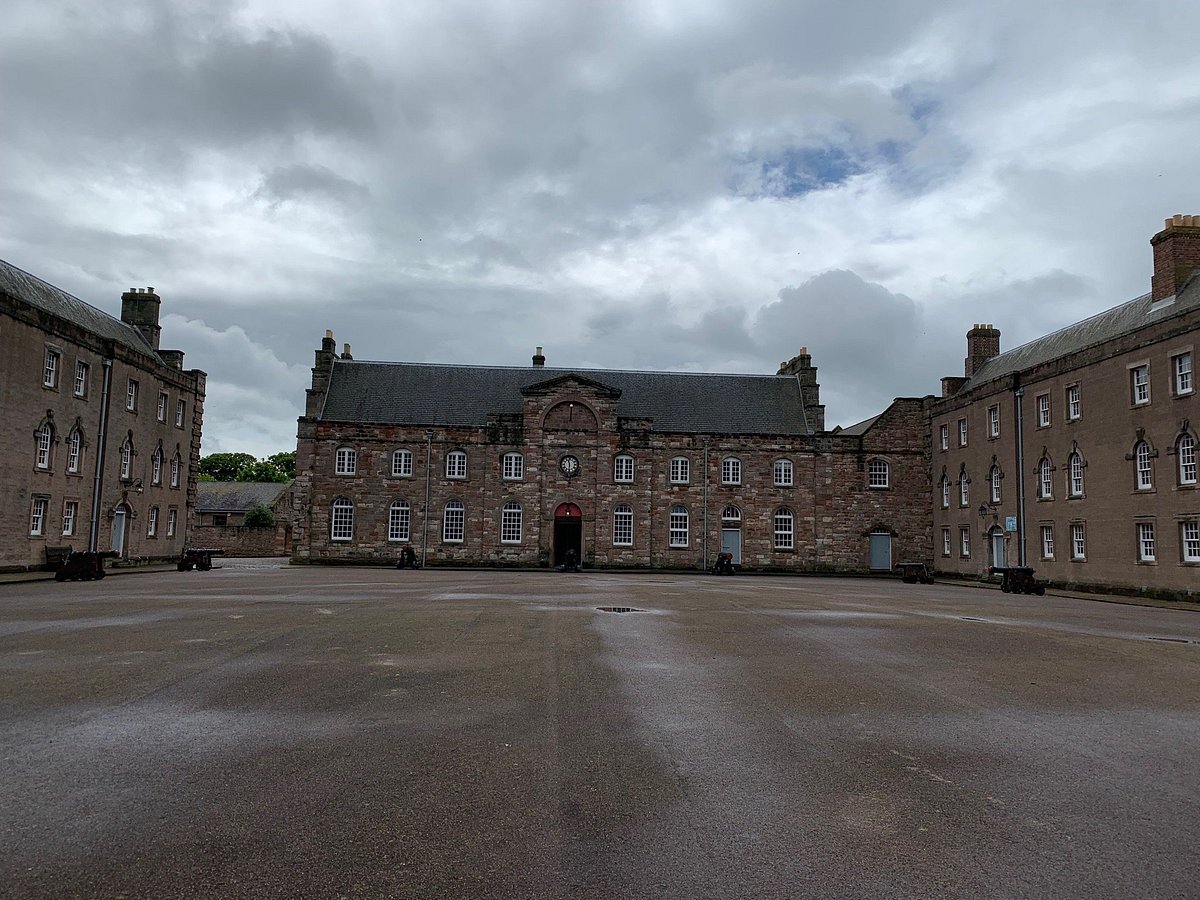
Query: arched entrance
{"type": "Point", "coordinates": [568, 532]}
{"type": "Point", "coordinates": [731, 533]}
{"type": "Point", "coordinates": [999, 550]}
{"type": "Point", "coordinates": [120, 528]}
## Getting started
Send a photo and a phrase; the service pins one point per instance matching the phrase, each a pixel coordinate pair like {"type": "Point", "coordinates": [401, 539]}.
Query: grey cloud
{"type": "Point", "coordinates": [298, 181]}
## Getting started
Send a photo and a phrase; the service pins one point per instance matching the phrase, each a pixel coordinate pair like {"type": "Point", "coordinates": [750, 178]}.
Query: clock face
{"type": "Point", "coordinates": [569, 466]}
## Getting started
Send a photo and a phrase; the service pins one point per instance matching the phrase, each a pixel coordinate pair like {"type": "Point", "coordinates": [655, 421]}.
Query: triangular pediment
{"type": "Point", "coordinates": [567, 381]}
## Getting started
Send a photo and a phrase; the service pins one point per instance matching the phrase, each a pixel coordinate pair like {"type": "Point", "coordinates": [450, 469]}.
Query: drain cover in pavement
{"type": "Point", "coordinates": [617, 609]}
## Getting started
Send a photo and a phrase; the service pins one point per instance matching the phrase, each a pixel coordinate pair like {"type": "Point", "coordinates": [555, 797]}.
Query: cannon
{"type": "Point", "coordinates": [1018, 580]}
{"type": "Point", "coordinates": [84, 565]}
{"type": "Point", "coordinates": [199, 558]}
{"type": "Point", "coordinates": [912, 572]}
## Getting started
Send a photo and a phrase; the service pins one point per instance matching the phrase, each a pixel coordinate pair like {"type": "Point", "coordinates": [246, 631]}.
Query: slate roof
{"type": "Point", "coordinates": [46, 297]}
{"type": "Point", "coordinates": [423, 394]}
{"type": "Point", "coordinates": [860, 428]}
{"type": "Point", "coordinates": [237, 496]}
{"type": "Point", "coordinates": [1105, 326]}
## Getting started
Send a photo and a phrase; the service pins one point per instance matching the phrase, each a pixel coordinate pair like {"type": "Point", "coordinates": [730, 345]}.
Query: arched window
{"type": "Point", "coordinates": [623, 469]}
{"type": "Point", "coordinates": [74, 450]}
{"type": "Point", "coordinates": [126, 455]}
{"type": "Point", "coordinates": [1144, 471]}
{"type": "Point", "coordinates": [1075, 474]}
{"type": "Point", "coordinates": [623, 525]}
{"type": "Point", "coordinates": [877, 473]}
{"type": "Point", "coordinates": [784, 529]}
{"type": "Point", "coordinates": [399, 520]}
{"type": "Point", "coordinates": [678, 531]}
{"type": "Point", "coordinates": [45, 440]}
{"type": "Point", "coordinates": [345, 461]}
{"type": "Point", "coordinates": [1045, 486]}
{"type": "Point", "coordinates": [510, 523]}
{"type": "Point", "coordinates": [512, 467]}
{"type": "Point", "coordinates": [681, 470]}
{"type": "Point", "coordinates": [784, 474]}
{"type": "Point", "coordinates": [964, 487]}
{"type": "Point", "coordinates": [454, 522]}
{"type": "Point", "coordinates": [1185, 449]}
{"type": "Point", "coordinates": [156, 466]}
{"type": "Point", "coordinates": [456, 465]}
{"type": "Point", "coordinates": [731, 516]}
{"type": "Point", "coordinates": [945, 491]}
{"type": "Point", "coordinates": [402, 464]}
{"type": "Point", "coordinates": [341, 520]}
{"type": "Point", "coordinates": [176, 464]}
{"type": "Point", "coordinates": [994, 483]}
{"type": "Point", "coordinates": [731, 470]}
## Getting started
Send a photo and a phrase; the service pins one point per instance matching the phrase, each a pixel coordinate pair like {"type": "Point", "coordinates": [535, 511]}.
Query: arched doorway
{"type": "Point", "coordinates": [731, 533]}
{"type": "Point", "coordinates": [120, 528]}
{"type": "Point", "coordinates": [568, 532]}
{"type": "Point", "coordinates": [999, 548]}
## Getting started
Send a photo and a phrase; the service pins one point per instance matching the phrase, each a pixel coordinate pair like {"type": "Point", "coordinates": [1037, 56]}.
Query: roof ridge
{"type": "Point", "coordinates": [559, 369]}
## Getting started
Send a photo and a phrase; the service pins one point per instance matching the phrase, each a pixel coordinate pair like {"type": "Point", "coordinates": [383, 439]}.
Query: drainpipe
{"type": "Point", "coordinates": [425, 516]}
{"type": "Point", "coordinates": [705, 542]}
{"type": "Point", "coordinates": [101, 442]}
{"type": "Point", "coordinates": [1017, 395]}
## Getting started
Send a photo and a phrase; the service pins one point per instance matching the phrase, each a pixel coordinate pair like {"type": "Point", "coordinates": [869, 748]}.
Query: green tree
{"type": "Point", "coordinates": [223, 466]}
{"type": "Point", "coordinates": [284, 462]}
{"type": "Point", "coordinates": [260, 470]}
{"type": "Point", "coordinates": [260, 517]}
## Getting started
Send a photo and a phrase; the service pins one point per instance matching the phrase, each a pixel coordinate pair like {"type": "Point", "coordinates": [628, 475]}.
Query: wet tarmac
{"type": "Point", "coordinates": [263, 731]}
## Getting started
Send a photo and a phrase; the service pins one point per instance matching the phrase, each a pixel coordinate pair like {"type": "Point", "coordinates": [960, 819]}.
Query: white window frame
{"type": "Point", "coordinates": [399, 520]}
{"type": "Point", "coordinates": [1045, 480]}
{"type": "Point", "coordinates": [152, 522]}
{"type": "Point", "coordinates": [945, 491]}
{"type": "Point", "coordinates": [1143, 466]}
{"type": "Point", "coordinates": [784, 473]}
{"type": "Point", "coordinates": [51, 368]}
{"type": "Point", "coordinates": [175, 466]}
{"type": "Point", "coordinates": [341, 520]}
{"type": "Point", "coordinates": [1075, 474]}
{"type": "Point", "coordinates": [1183, 376]}
{"type": "Point", "coordinates": [512, 467]}
{"type": "Point", "coordinates": [964, 542]}
{"type": "Point", "coordinates": [456, 465]}
{"type": "Point", "coordinates": [1044, 413]}
{"type": "Point", "coordinates": [1145, 539]}
{"type": "Point", "coordinates": [1185, 450]}
{"type": "Point", "coordinates": [74, 450]}
{"type": "Point", "coordinates": [161, 411]}
{"type": "Point", "coordinates": [37, 516]}
{"type": "Point", "coordinates": [70, 516]}
{"type": "Point", "coordinates": [402, 463]}
{"type": "Point", "coordinates": [1189, 541]}
{"type": "Point", "coordinates": [172, 520]}
{"type": "Point", "coordinates": [681, 470]}
{"type": "Point", "coordinates": [994, 482]}
{"type": "Point", "coordinates": [962, 432]}
{"type": "Point", "coordinates": [45, 442]}
{"type": "Point", "coordinates": [731, 470]}
{"type": "Point", "coordinates": [785, 529]}
{"type": "Point", "coordinates": [623, 468]}
{"type": "Point", "coordinates": [947, 546]}
{"type": "Point", "coordinates": [1078, 541]}
{"type": "Point", "coordinates": [131, 395]}
{"type": "Point", "coordinates": [180, 409]}
{"type": "Point", "coordinates": [964, 490]}
{"type": "Point", "coordinates": [81, 378]}
{"type": "Point", "coordinates": [679, 527]}
{"type": "Point", "coordinates": [945, 436]}
{"type": "Point", "coordinates": [622, 534]}
{"type": "Point", "coordinates": [731, 516]}
{"type": "Point", "coordinates": [879, 474]}
{"type": "Point", "coordinates": [511, 522]}
{"type": "Point", "coordinates": [345, 461]}
{"type": "Point", "coordinates": [1047, 542]}
{"type": "Point", "coordinates": [1074, 403]}
{"type": "Point", "coordinates": [126, 456]}
{"type": "Point", "coordinates": [156, 461]}
{"type": "Point", "coordinates": [454, 522]}
{"type": "Point", "coordinates": [1139, 384]}
{"type": "Point", "coordinates": [994, 421]}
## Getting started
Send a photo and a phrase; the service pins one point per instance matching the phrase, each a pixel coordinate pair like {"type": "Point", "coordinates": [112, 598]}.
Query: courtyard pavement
{"type": "Point", "coordinates": [265, 731]}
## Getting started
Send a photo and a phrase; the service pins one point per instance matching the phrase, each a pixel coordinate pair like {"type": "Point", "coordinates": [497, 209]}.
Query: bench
{"type": "Point", "coordinates": [198, 558]}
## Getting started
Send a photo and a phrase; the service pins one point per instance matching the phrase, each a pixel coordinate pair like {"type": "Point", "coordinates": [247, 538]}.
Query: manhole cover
{"type": "Point", "coordinates": [617, 609]}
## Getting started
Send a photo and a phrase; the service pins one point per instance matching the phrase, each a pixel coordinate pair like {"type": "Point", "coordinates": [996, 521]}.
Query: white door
{"type": "Point", "coordinates": [880, 551]}
{"type": "Point", "coordinates": [731, 542]}
{"type": "Point", "coordinates": [118, 532]}
{"type": "Point", "coordinates": [999, 557]}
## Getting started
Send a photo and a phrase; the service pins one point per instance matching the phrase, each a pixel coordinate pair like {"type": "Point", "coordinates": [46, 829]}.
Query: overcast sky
{"type": "Point", "coordinates": [687, 185]}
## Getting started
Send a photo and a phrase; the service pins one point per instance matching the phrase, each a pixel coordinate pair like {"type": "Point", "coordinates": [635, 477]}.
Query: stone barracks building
{"type": "Point", "coordinates": [518, 466]}
{"type": "Point", "coordinates": [103, 427]}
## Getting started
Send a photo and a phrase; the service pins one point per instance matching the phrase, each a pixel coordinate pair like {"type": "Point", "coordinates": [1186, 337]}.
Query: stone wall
{"type": "Point", "coordinates": [242, 540]}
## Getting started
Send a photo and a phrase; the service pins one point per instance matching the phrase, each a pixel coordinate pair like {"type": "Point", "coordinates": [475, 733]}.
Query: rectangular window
{"type": "Point", "coordinates": [945, 492]}
{"type": "Point", "coordinates": [402, 464]}
{"type": "Point", "coordinates": [1145, 535]}
{"type": "Point", "coordinates": [399, 516]}
{"type": "Point", "coordinates": [510, 523]}
{"type": "Point", "coordinates": [131, 395]}
{"type": "Point", "coordinates": [993, 421]}
{"type": "Point", "coordinates": [1182, 369]}
{"type": "Point", "coordinates": [175, 471]}
{"type": "Point", "coordinates": [623, 527]}
{"type": "Point", "coordinates": [70, 514]}
{"type": "Point", "coordinates": [945, 436]}
{"type": "Point", "coordinates": [1139, 384]}
{"type": "Point", "coordinates": [1047, 542]}
{"type": "Point", "coordinates": [37, 516]}
{"type": "Point", "coordinates": [1074, 407]}
{"type": "Point", "coordinates": [681, 470]}
{"type": "Point", "coordinates": [962, 432]}
{"type": "Point", "coordinates": [1189, 534]}
{"type": "Point", "coordinates": [179, 409]}
{"type": "Point", "coordinates": [161, 412]}
{"type": "Point", "coordinates": [342, 521]}
{"type": "Point", "coordinates": [964, 542]}
{"type": "Point", "coordinates": [456, 464]}
{"type": "Point", "coordinates": [220, 520]}
{"type": "Point", "coordinates": [964, 491]}
{"type": "Point", "coordinates": [623, 469]}
{"type": "Point", "coordinates": [678, 534]}
{"type": "Point", "coordinates": [783, 473]}
{"type": "Point", "coordinates": [345, 461]}
{"type": "Point", "coordinates": [50, 368]}
{"type": "Point", "coordinates": [172, 521]}
{"type": "Point", "coordinates": [513, 468]}
{"type": "Point", "coordinates": [784, 531]}
{"type": "Point", "coordinates": [44, 438]}
{"type": "Point", "coordinates": [1043, 411]}
{"type": "Point", "coordinates": [1078, 541]}
{"type": "Point", "coordinates": [81, 378]}
{"type": "Point", "coordinates": [877, 474]}
{"type": "Point", "coordinates": [945, 542]}
{"type": "Point", "coordinates": [152, 522]}
{"type": "Point", "coordinates": [454, 524]}
{"type": "Point", "coordinates": [731, 471]}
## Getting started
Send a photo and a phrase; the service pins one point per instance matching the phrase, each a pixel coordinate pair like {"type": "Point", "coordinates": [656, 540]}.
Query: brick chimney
{"type": "Point", "coordinates": [538, 359]}
{"type": "Point", "coordinates": [1176, 256]}
{"type": "Point", "coordinates": [322, 367]}
{"type": "Point", "coordinates": [983, 343]}
{"type": "Point", "coordinates": [801, 366]}
{"type": "Point", "coordinates": [139, 308]}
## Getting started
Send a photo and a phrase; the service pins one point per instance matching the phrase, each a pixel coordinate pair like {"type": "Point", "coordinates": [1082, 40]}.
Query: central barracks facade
{"type": "Point", "coordinates": [506, 466]}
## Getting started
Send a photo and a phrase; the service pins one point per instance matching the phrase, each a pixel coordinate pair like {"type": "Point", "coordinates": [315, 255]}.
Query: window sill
{"type": "Point", "coordinates": [878, 487]}
{"type": "Point", "coordinates": [1147, 562]}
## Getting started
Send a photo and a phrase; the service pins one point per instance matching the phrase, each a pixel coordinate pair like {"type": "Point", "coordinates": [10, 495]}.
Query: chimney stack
{"type": "Point", "coordinates": [139, 308]}
{"type": "Point", "coordinates": [983, 343]}
{"type": "Point", "coordinates": [801, 366]}
{"type": "Point", "coordinates": [1176, 256]}
{"type": "Point", "coordinates": [538, 360]}
{"type": "Point", "coordinates": [346, 352]}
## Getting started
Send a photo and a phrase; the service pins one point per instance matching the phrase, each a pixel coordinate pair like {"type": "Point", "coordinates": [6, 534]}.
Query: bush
{"type": "Point", "coordinates": [260, 517]}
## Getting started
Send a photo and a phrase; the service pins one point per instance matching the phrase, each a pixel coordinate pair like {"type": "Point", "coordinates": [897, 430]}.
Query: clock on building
{"type": "Point", "coordinates": [569, 466]}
